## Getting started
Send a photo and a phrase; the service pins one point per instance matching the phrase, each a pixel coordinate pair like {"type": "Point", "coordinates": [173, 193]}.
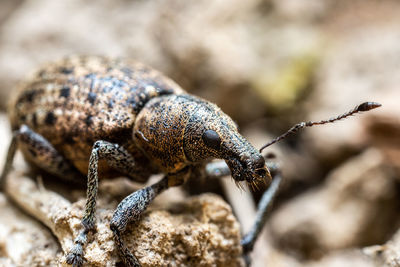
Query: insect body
{"type": "Point", "coordinates": [94, 116]}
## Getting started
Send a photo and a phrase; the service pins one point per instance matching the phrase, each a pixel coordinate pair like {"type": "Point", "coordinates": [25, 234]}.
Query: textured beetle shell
{"type": "Point", "coordinates": [79, 100]}
{"type": "Point", "coordinates": [179, 119]}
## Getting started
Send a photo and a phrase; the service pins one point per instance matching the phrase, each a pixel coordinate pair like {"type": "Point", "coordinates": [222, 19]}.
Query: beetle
{"type": "Point", "coordinates": [96, 116]}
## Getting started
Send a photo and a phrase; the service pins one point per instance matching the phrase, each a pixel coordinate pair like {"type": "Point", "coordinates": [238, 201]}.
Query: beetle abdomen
{"type": "Point", "coordinates": [79, 100]}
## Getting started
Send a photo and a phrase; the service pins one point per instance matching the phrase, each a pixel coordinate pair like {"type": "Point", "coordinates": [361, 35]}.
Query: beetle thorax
{"type": "Point", "coordinates": [159, 130]}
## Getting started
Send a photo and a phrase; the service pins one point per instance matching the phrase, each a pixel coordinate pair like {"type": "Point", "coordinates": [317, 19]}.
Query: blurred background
{"type": "Point", "coordinates": [268, 64]}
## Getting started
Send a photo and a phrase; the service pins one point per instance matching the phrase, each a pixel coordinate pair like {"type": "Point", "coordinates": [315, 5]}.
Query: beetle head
{"type": "Point", "coordinates": [211, 133]}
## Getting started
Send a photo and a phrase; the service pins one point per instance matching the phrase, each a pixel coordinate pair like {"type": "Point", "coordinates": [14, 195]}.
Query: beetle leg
{"type": "Point", "coordinates": [39, 151]}
{"type": "Point", "coordinates": [130, 210]}
{"type": "Point", "coordinates": [249, 239]}
{"type": "Point", "coordinates": [10, 156]}
{"type": "Point", "coordinates": [118, 158]}
{"type": "Point", "coordinates": [219, 168]}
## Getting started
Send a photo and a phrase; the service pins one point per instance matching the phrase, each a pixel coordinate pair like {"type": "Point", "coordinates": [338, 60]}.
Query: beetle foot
{"type": "Point", "coordinates": [247, 260]}
{"type": "Point", "coordinates": [131, 261]}
{"type": "Point", "coordinates": [75, 256]}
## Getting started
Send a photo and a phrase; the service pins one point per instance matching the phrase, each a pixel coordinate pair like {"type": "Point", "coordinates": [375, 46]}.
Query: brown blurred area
{"type": "Point", "coordinates": [268, 64]}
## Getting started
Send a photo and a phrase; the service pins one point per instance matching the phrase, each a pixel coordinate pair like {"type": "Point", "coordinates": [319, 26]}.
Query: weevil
{"type": "Point", "coordinates": [91, 116]}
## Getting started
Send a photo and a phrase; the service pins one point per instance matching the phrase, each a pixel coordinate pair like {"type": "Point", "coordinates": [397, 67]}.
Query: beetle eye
{"type": "Point", "coordinates": [211, 139]}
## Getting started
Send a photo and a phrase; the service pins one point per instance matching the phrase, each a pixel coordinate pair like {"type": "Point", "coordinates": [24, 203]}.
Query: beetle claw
{"type": "Point", "coordinates": [74, 257]}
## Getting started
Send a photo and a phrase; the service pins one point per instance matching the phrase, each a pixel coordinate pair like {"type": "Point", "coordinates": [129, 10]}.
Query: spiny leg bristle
{"type": "Point", "coordinates": [239, 185]}
{"type": "Point", "coordinates": [257, 183]}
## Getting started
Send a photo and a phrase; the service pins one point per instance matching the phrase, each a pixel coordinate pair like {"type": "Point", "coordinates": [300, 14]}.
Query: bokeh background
{"type": "Point", "coordinates": [268, 64]}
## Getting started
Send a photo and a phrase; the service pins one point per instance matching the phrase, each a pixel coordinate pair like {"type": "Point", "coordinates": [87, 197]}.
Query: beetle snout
{"type": "Point", "coordinates": [254, 168]}
{"type": "Point", "coordinates": [253, 162]}
{"type": "Point", "coordinates": [259, 161]}
{"type": "Point", "coordinates": [261, 171]}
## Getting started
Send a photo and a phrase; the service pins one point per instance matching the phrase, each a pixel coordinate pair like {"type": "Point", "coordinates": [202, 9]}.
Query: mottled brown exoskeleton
{"type": "Point", "coordinates": [83, 116]}
{"type": "Point", "coordinates": [121, 117]}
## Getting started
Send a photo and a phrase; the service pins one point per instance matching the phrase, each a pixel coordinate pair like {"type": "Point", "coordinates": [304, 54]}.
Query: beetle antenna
{"type": "Point", "coordinates": [366, 106]}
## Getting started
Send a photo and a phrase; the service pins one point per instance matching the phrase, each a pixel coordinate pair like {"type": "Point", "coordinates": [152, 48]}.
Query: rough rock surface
{"type": "Point", "coordinates": [23, 240]}
{"type": "Point", "coordinates": [345, 258]}
{"type": "Point", "coordinates": [175, 231]}
{"type": "Point", "coordinates": [361, 65]}
{"type": "Point", "coordinates": [350, 209]}
{"type": "Point", "coordinates": [388, 254]}
{"type": "Point", "coordinates": [200, 231]}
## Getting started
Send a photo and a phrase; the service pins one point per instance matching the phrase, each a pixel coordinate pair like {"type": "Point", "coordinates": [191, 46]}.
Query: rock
{"type": "Point", "coordinates": [7, 9]}
{"type": "Point", "coordinates": [23, 240]}
{"type": "Point", "coordinates": [361, 65]}
{"type": "Point", "coordinates": [386, 255]}
{"type": "Point", "coordinates": [384, 131]}
{"type": "Point", "coordinates": [356, 206]}
{"type": "Point", "coordinates": [200, 231]}
{"type": "Point", "coordinates": [344, 258]}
